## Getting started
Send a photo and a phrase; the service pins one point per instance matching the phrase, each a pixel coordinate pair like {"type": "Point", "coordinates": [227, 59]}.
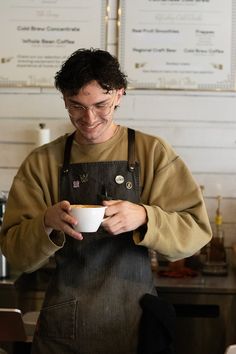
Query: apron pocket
{"type": "Point", "coordinates": [58, 321]}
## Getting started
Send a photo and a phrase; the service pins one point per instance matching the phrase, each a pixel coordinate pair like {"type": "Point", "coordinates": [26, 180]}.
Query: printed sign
{"type": "Point", "coordinates": [178, 44]}
{"type": "Point", "coordinates": [37, 36]}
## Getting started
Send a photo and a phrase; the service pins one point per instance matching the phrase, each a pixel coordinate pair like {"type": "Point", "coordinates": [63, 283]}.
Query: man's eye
{"type": "Point", "coordinates": [76, 106]}
{"type": "Point", "coordinates": [101, 105]}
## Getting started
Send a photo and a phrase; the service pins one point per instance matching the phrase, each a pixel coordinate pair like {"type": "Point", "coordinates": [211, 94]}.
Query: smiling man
{"type": "Point", "coordinates": [93, 121]}
{"type": "Point", "coordinates": [92, 304]}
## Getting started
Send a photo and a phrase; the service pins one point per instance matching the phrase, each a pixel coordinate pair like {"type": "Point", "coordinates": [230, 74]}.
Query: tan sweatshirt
{"type": "Point", "coordinates": [178, 224]}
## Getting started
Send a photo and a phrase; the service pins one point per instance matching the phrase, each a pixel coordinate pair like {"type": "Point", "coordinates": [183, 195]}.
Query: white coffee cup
{"type": "Point", "coordinates": [89, 217]}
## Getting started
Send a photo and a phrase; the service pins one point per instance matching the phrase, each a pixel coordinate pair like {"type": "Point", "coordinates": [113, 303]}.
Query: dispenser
{"type": "Point", "coordinates": [3, 261]}
{"type": "Point", "coordinates": [216, 262]}
{"type": "Point", "coordinates": [3, 200]}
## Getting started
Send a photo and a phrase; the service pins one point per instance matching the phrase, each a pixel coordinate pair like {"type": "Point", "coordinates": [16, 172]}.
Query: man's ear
{"type": "Point", "coordinates": [64, 99]}
{"type": "Point", "coordinates": [120, 93]}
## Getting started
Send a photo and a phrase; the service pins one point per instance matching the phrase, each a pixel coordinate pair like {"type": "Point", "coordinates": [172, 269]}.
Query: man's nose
{"type": "Point", "coordinates": [90, 115]}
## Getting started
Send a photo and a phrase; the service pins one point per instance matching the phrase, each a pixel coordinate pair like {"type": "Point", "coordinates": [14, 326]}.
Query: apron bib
{"type": "Point", "coordinates": [92, 303]}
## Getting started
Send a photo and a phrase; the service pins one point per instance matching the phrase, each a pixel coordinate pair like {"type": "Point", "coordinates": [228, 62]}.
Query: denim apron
{"type": "Point", "coordinates": [92, 303]}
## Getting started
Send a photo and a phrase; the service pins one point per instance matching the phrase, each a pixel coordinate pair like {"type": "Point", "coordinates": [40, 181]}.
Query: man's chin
{"type": "Point", "coordinates": [90, 136]}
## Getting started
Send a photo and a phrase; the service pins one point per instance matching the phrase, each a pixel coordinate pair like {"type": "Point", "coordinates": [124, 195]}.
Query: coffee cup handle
{"type": "Point", "coordinates": [106, 218]}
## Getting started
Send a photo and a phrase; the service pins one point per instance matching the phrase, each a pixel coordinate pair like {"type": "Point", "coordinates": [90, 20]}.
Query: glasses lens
{"type": "Point", "coordinates": [99, 109]}
{"type": "Point", "coordinates": [104, 109]}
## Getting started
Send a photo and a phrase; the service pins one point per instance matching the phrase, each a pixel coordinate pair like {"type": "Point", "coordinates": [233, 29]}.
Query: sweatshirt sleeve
{"type": "Point", "coordinates": [178, 225]}
{"type": "Point", "coordinates": [23, 239]}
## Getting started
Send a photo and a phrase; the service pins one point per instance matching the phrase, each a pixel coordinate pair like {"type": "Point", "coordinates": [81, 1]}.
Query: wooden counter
{"type": "Point", "coordinates": [8, 297]}
{"type": "Point", "coordinates": [203, 284]}
{"type": "Point", "coordinates": [205, 308]}
{"type": "Point", "coordinates": [24, 291]}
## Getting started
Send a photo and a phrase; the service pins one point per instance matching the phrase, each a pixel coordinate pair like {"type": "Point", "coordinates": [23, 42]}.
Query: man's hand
{"type": "Point", "coordinates": [123, 216]}
{"type": "Point", "coordinates": [57, 217]}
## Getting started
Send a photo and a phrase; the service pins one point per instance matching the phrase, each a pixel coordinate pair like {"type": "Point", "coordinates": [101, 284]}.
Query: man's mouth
{"type": "Point", "coordinates": [89, 127]}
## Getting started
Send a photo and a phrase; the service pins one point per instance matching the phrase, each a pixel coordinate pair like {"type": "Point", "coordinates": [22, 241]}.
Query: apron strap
{"type": "Point", "coordinates": [131, 150]}
{"type": "Point", "coordinates": [66, 161]}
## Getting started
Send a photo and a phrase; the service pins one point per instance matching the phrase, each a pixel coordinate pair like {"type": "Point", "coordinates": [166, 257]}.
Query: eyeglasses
{"type": "Point", "coordinates": [77, 110]}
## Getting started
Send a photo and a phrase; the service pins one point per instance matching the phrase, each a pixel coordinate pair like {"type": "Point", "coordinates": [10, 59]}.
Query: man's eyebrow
{"type": "Point", "coordinates": [80, 104]}
{"type": "Point", "coordinates": [74, 101]}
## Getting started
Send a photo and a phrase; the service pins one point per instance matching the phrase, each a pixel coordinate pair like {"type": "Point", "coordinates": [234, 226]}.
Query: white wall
{"type": "Point", "coordinates": [201, 126]}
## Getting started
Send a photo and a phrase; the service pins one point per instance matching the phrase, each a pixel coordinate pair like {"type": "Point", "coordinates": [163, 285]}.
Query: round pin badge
{"type": "Point", "coordinates": [129, 185]}
{"type": "Point", "coordinates": [119, 179]}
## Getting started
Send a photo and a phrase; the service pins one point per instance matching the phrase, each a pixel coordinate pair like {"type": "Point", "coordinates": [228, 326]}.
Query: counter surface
{"type": "Point", "coordinates": [225, 284]}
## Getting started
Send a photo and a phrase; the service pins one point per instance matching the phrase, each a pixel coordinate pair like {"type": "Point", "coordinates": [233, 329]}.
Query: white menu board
{"type": "Point", "coordinates": [178, 44]}
{"type": "Point", "coordinates": [38, 35]}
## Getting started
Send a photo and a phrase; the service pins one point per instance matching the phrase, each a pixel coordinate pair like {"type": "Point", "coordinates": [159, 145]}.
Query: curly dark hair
{"type": "Point", "coordinates": [86, 65]}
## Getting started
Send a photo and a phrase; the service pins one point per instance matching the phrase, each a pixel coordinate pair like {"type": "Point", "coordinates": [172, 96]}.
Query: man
{"type": "Point", "coordinates": [92, 305]}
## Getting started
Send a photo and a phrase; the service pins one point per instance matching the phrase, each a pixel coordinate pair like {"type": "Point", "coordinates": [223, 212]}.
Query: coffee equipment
{"type": "Point", "coordinates": [3, 261]}
{"type": "Point", "coordinates": [3, 200]}
{"type": "Point", "coordinates": [216, 258]}
{"type": "Point", "coordinates": [3, 267]}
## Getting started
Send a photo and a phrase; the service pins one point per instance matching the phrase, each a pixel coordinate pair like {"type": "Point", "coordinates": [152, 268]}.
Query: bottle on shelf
{"type": "Point", "coordinates": [217, 250]}
{"type": "Point", "coordinates": [216, 263]}
{"type": "Point", "coordinates": [203, 251]}
{"type": "Point", "coordinates": [153, 260]}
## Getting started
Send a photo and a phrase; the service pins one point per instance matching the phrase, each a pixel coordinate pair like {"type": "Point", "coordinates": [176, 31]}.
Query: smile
{"type": "Point", "coordinates": [89, 127]}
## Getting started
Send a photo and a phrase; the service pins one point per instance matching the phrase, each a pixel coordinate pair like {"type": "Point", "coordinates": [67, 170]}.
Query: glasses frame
{"type": "Point", "coordinates": [79, 109]}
